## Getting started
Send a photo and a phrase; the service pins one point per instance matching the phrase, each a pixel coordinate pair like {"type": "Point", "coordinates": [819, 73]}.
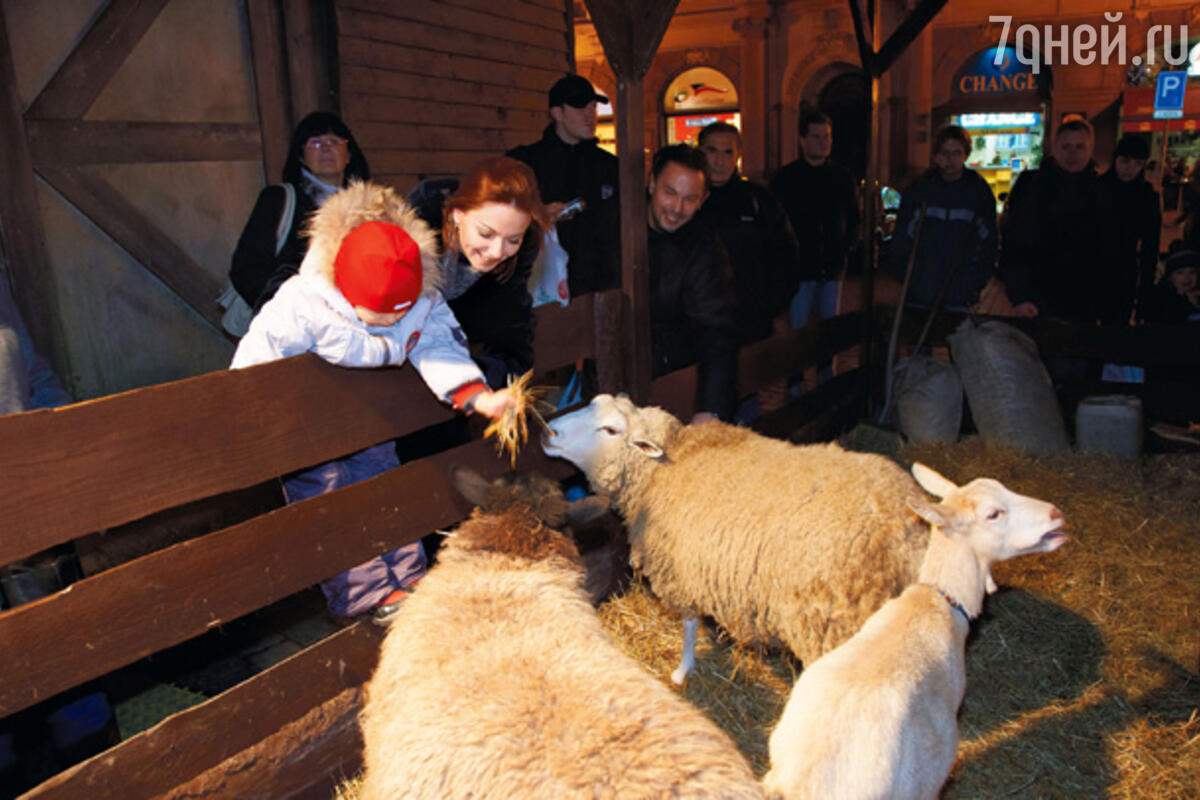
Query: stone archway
{"type": "Point", "coordinates": [804, 77]}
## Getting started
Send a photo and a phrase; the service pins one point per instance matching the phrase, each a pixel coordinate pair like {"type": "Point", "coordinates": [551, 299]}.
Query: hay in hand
{"type": "Point", "coordinates": [510, 428]}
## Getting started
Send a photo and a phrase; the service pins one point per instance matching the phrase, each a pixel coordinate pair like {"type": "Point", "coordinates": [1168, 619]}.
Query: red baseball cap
{"type": "Point", "coordinates": [378, 267]}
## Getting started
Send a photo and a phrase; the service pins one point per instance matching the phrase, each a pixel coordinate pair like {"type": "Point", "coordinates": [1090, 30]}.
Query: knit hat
{"type": "Point", "coordinates": [1181, 259]}
{"type": "Point", "coordinates": [1132, 147]}
{"type": "Point", "coordinates": [378, 266]}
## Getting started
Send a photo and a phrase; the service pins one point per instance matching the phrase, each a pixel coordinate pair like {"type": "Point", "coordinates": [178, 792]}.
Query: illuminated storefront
{"type": "Point", "coordinates": [1001, 103]}
{"type": "Point", "coordinates": [1174, 142]}
{"type": "Point", "coordinates": [695, 98]}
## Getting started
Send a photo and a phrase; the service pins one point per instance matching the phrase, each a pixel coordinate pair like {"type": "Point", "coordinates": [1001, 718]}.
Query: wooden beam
{"type": "Point", "coordinates": [306, 58]}
{"type": "Point", "coordinates": [574, 333]}
{"type": "Point", "coordinates": [24, 235]}
{"type": "Point", "coordinates": [170, 596]}
{"type": "Point", "coordinates": [135, 234]}
{"type": "Point", "coordinates": [188, 743]}
{"type": "Point", "coordinates": [907, 32]}
{"type": "Point", "coordinates": [866, 51]}
{"type": "Point", "coordinates": [838, 395]}
{"type": "Point", "coordinates": [123, 456]}
{"type": "Point", "coordinates": [95, 60]}
{"type": "Point", "coordinates": [765, 362]}
{"type": "Point", "coordinates": [630, 32]}
{"type": "Point", "coordinates": [1118, 344]}
{"type": "Point", "coordinates": [635, 249]}
{"type": "Point", "coordinates": [57, 143]}
{"type": "Point", "coordinates": [271, 90]}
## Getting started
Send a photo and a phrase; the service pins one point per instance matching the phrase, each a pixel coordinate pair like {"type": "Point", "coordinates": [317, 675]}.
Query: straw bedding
{"type": "Point", "coordinates": [1082, 672]}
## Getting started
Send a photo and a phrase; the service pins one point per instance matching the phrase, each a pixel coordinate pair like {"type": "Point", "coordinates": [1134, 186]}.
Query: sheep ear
{"type": "Point", "coordinates": [586, 509]}
{"type": "Point", "coordinates": [471, 485]}
{"type": "Point", "coordinates": [931, 481]}
{"type": "Point", "coordinates": [933, 513]}
{"type": "Point", "coordinates": [648, 448]}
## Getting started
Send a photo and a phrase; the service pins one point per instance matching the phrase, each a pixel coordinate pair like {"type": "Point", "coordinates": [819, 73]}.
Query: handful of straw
{"type": "Point", "coordinates": [510, 428]}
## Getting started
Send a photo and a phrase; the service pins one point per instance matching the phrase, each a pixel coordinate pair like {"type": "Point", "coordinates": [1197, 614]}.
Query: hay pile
{"type": "Point", "coordinates": [1082, 673]}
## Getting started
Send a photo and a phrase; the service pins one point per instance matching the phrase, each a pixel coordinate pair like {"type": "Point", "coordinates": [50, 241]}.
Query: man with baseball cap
{"type": "Point", "coordinates": [569, 165]}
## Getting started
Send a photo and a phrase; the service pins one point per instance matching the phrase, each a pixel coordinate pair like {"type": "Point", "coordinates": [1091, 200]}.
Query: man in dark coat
{"type": "Point", "coordinates": [1060, 232]}
{"type": "Point", "coordinates": [1139, 220]}
{"type": "Point", "coordinates": [821, 202]}
{"type": "Point", "coordinates": [755, 231]}
{"type": "Point", "coordinates": [958, 237]}
{"type": "Point", "coordinates": [692, 306]}
{"type": "Point", "coordinates": [570, 165]}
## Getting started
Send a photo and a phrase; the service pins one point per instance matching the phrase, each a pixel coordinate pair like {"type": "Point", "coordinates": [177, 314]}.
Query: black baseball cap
{"type": "Point", "coordinates": [575, 91]}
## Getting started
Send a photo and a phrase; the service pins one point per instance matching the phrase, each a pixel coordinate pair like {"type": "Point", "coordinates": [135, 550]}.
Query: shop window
{"type": "Point", "coordinates": [695, 98]}
{"type": "Point", "coordinates": [1003, 143]}
{"type": "Point", "coordinates": [606, 126]}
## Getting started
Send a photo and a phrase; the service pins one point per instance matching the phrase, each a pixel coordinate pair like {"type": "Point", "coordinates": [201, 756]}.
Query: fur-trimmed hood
{"type": "Point", "coordinates": [359, 202]}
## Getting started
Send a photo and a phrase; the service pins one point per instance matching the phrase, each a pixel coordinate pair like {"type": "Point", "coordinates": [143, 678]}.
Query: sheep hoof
{"type": "Point", "coordinates": [679, 676]}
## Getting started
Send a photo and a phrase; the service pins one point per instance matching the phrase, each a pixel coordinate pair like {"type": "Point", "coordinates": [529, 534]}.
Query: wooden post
{"type": "Point", "coordinates": [270, 84]}
{"type": "Point", "coordinates": [630, 32]}
{"type": "Point", "coordinates": [24, 236]}
{"type": "Point", "coordinates": [875, 60]}
{"type": "Point", "coordinates": [635, 259]}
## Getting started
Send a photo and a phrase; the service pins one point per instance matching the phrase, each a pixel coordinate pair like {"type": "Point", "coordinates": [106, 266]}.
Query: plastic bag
{"type": "Point", "coordinates": [1011, 396]}
{"type": "Point", "coordinates": [548, 280]}
{"type": "Point", "coordinates": [929, 400]}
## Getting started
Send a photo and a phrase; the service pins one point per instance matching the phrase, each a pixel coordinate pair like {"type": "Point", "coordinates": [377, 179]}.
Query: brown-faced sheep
{"type": "Point", "coordinates": [876, 717]}
{"type": "Point", "coordinates": [782, 544]}
{"type": "Point", "coordinates": [497, 679]}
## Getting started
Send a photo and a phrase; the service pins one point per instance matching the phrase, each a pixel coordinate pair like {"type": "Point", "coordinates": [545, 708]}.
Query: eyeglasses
{"type": "Point", "coordinates": [325, 142]}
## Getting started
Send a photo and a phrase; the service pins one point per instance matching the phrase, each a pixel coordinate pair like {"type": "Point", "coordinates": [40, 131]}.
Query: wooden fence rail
{"type": "Point", "coordinates": [288, 731]}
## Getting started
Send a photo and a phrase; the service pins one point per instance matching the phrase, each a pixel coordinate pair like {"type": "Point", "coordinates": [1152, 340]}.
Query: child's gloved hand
{"type": "Point", "coordinates": [493, 404]}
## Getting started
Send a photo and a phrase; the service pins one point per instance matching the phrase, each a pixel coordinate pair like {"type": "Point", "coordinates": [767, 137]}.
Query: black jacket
{"type": "Point", "coordinates": [254, 266]}
{"type": "Point", "coordinates": [822, 204]}
{"type": "Point", "coordinates": [959, 234]}
{"type": "Point", "coordinates": [496, 316]}
{"type": "Point", "coordinates": [692, 313]}
{"type": "Point", "coordinates": [592, 238]}
{"type": "Point", "coordinates": [762, 252]}
{"type": "Point", "coordinates": [1139, 225]}
{"type": "Point", "coordinates": [1059, 238]}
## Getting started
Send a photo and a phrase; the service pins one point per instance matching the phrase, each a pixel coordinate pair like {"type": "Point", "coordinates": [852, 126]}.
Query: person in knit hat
{"type": "Point", "coordinates": [367, 294]}
{"type": "Point", "coordinates": [1138, 224]}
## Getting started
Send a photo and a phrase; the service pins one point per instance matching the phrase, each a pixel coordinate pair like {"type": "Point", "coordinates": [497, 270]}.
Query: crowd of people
{"type": "Point", "coordinates": [332, 264]}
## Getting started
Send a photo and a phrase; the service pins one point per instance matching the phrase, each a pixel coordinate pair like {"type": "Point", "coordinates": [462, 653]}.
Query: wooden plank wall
{"type": "Point", "coordinates": [430, 87]}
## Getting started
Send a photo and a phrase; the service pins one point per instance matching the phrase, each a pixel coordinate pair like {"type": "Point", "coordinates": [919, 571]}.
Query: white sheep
{"type": "Point", "coordinates": [497, 679]}
{"type": "Point", "coordinates": [875, 718]}
{"type": "Point", "coordinates": [781, 544]}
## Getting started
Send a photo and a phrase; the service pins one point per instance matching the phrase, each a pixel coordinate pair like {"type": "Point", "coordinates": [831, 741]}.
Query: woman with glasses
{"type": "Point", "coordinates": [323, 157]}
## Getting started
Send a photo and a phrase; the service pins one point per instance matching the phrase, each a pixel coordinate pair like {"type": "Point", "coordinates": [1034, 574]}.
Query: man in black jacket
{"type": "Point", "coordinates": [755, 231]}
{"type": "Point", "coordinates": [692, 307]}
{"type": "Point", "coordinates": [1060, 233]}
{"type": "Point", "coordinates": [1139, 218]}
{"type": "Point", "coordinates": [821, 201]}
{"type": "Point", "coordinates": [570, 165]}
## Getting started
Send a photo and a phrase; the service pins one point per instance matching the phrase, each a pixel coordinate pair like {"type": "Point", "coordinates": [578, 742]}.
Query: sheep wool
{"type": "Point", "coordinates": [497, 679]}
{"type": "Point", "coordinates": [782, 544]}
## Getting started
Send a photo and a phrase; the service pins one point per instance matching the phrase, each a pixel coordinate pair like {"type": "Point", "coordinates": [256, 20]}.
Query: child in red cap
{"type": "Point", "coordinates": [367, 295]}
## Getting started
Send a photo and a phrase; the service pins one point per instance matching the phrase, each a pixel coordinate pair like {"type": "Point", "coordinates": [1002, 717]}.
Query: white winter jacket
{"type": "Point", "coordinates": [309, 314]}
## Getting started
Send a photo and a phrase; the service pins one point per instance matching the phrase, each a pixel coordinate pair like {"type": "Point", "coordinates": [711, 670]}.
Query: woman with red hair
{"type": "Point", "coordinates": [492, 222]}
